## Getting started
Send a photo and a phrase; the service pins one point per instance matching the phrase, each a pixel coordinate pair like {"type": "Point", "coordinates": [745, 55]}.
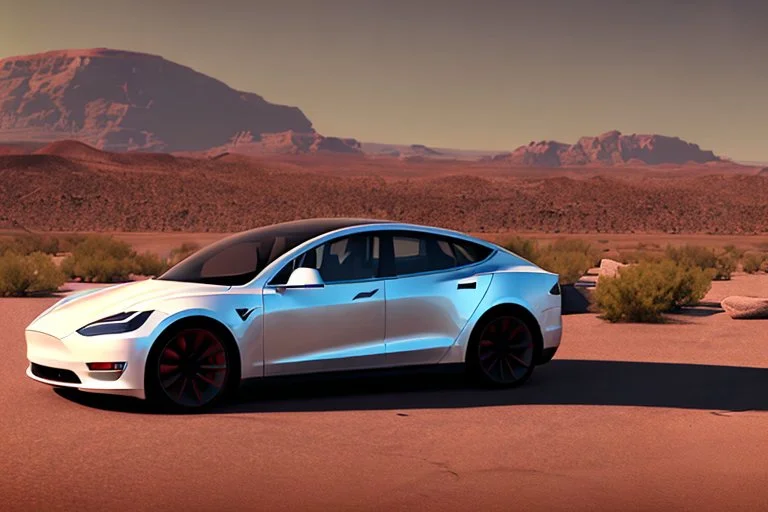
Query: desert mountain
{"type": "Point", "coordinates": [120, 100]}
{"type": "Point", "coordinates": [611, 148]}
{"type": "Point", "coordinates": [287, 143]}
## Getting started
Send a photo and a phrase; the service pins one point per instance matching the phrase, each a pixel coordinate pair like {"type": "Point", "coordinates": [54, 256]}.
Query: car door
{"type": "Point", "coordinates": [434, 292]}
{"type": "Point", "coordinates": [339, 326]}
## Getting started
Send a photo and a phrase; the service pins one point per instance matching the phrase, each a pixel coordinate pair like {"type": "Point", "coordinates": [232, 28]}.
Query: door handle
{"type": "Point", "coordinates": [467, 286]}
{"type": "Point", "coordinates": [366, 295]}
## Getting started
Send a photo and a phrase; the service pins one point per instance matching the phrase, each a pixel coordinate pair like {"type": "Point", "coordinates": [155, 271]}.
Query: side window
{"type": "Point", "coordinates": [346, 259]}
{"type": "Point", "coordinates": [468, 253]}
{"type": "Point", "coordinates": [422, 253]}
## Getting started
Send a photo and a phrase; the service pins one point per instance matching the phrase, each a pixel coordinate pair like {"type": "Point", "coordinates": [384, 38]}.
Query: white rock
{"type": "Point", "coordinates": [745, 307]}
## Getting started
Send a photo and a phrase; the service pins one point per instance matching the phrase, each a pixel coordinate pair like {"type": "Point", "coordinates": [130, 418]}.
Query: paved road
{"type": "Point", "coordinates": [665, 417]}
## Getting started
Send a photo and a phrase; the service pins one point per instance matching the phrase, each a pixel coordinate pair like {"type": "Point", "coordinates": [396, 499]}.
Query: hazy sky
{"type": "Point", "coordinates": [487, 74]}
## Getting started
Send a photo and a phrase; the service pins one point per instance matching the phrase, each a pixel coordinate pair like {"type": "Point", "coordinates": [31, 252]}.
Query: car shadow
{"type": "Point", "coordinates": [561, 382]}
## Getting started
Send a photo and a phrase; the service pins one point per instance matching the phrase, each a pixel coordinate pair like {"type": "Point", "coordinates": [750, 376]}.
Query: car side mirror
{"type": "Point", "coordinates": [305, 278]}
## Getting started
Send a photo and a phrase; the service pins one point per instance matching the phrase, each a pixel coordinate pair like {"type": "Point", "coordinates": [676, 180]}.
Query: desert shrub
{"type": "Point", "coordinates": [754, 262]}
{"type": "Point", "coordinates": [149, 264]}
{"type": "Point", "coordinates": [723, 264]}
{"type": "Point", "coordinates": [734, 251]}
{"type": "Point", "coordinates": [726, 265]}
{"type": "Point", "coordinates": [642, 292]}
{"type": "Point", "coordinates": [67, 243]}
{"type": "Point", "coordinates": [23, 274]}
{"type": "Point", "coordinates": [184, 251]}
{"type": "Point", "coordinates": [569, 258]}
{"type": "Point", "coordinates": [103, 259]}
{"type": "Point", "coordinates": [31, 243]}
{"type": "Point", "coordinates": [524, 247]}
{"type": "Point", "coordinates": [639, 256]}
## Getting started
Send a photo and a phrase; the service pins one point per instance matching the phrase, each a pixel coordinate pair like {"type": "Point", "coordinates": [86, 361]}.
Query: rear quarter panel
{"type": "Point", "coordinates": [524, 286]}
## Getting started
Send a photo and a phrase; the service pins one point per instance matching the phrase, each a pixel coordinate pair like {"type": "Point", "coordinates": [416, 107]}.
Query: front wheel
{"type": "Point", "coordinates": [501, 352]}
{"type": "Point", "coordinates": [189, 369]}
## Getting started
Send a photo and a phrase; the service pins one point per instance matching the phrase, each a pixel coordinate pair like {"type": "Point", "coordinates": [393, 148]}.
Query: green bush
{"type": "Point", "coordinates": [182, 252]}
{"type": "Point", "coordinates": [149, 264]}
{"type": "Point", "coordinates": [569, 258]}
{"type": "Point", "coordinates": [754, 262]}
{"type": "Point", "coordinates": [99, 259]}
{"type": "Point", "coordinates": [642, 292]}
{"type": "Point", "coordinates": [723, 264]}
{"type": "Point", "coordinates": [22, 274]}
{"type": "Point", "coordinates": [103, 259]}
{"type": "Point", "coordinates": [67, 243]}
{"type": "Point", "coordinates": [28, 244]}
{"type": "Point", "coordinates": [639, 256]}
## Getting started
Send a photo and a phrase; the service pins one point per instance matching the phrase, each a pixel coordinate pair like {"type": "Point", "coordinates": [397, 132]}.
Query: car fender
{"type": "Point", "coordinates": [528, 290]}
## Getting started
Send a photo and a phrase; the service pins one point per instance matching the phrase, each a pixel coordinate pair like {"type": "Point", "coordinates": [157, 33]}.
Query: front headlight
{"type": "Point", "coordinates": [116, 324]}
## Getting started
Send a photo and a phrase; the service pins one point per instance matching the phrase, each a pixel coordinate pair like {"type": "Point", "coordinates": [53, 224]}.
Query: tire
{"type": "Point", "coordinates": [502, 350]}
{"type": "Point", "coordinates": [190, 368]}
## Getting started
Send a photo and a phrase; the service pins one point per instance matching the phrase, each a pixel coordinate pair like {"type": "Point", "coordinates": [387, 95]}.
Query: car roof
{"type": "Point", "coordinates": [310, 228]}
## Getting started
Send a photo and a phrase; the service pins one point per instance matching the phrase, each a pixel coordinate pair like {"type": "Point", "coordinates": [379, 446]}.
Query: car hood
{"type": "Point", "coordinates": [80, 309]}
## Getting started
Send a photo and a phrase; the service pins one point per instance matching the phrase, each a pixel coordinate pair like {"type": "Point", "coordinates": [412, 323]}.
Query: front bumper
{"type": "Point", "coordinates": [73, 352]}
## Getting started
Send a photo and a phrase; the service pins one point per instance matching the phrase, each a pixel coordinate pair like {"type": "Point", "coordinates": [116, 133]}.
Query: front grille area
{"type": "Point", "coordinates": [54, 374]}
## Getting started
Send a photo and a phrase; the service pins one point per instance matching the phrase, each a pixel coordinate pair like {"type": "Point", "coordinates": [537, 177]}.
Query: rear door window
{"type": "Point", "coordinates": [419, 253]}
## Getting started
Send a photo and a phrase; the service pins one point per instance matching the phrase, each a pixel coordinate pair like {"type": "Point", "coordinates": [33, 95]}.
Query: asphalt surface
{"type": "Point", "coordinates": [659, 417]}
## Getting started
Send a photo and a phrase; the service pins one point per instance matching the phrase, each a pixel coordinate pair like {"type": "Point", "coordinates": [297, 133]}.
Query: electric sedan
{"type": "Point", "coordinates": [321, 295]}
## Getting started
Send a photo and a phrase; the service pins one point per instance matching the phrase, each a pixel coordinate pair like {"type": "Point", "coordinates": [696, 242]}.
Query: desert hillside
{"type": "Point", "coordinates": [72, 187]}
{"type": "Point", "coordinates": [125, 100]}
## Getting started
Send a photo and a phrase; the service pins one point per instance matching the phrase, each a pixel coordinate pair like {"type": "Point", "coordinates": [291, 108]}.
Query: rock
{"type": "Point", "coordinates": [610, 148]}
{"type": "Point", "coordinates": [288, 143]}
{"type": "Point", "coordinates": [609, 268]}
{"type": "Point", "coordinates": [745, 307]}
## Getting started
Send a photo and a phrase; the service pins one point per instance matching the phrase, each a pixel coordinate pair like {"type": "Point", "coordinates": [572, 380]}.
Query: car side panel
{"type": "Point", "coordinates": [525, 288]}
{"type": "Point", "coordinates": [425, 313]}
{"type": "Point", "coordinates": [337, 327]}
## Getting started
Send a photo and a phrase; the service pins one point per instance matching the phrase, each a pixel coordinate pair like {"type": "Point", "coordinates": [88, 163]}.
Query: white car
{"type": "Point", "coordinates": [317, 295]}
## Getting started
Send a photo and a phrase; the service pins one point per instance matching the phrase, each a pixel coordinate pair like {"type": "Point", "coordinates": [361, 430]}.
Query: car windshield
{"type": "Point", "coordinates": [237, 259]}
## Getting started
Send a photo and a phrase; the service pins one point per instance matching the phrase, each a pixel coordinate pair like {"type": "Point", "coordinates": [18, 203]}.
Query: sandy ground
{"type": "Point", "coordinates": [631, 417]}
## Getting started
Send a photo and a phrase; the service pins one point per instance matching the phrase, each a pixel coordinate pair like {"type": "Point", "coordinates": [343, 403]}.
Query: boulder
{"type": "Point", "coordinates": [609, 268]}
{"type": "Point", "coordinates": [745, 307]}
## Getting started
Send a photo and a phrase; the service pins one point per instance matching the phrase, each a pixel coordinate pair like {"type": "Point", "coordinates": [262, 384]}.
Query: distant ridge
{"type": "Point", "coordinates": [609, 149]}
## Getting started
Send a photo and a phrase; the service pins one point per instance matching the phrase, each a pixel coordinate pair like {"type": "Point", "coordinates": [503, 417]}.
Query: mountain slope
{"type": "Point", "coordinates": [120, 100]}
{"type": "Point", "coordinates": [610, 148]}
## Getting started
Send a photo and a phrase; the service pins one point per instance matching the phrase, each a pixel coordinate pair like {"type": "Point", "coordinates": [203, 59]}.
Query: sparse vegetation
{"type": "Point", "coordinates": [569, 258]}
{"type": "Point", "coordinates": [640, 256]}
{"type": "Point", "coordinates": [102, 259]}
{"type": "Point", "coordinates": [28, 244]}
{"type": "Point", "coordinates": [149, 264]}
{"type": "Point", "coordinates": [754, 262]}
{"type": "Point", "coordinates": [524, 247]}
{"type": "Point", "coordinates": [182, 252]}
{"type": "Point", "coordinates": [25, 274]}
{"type": "Point", "coordinates": [643, 292]}
{"type": "Point", "coordinates": [723, 264]}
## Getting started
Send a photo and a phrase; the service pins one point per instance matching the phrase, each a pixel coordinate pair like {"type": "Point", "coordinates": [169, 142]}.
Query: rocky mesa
{"type": "Point", "coordinates": [119, 101]}
{"type": "Point", "coordinates": [609, 149]}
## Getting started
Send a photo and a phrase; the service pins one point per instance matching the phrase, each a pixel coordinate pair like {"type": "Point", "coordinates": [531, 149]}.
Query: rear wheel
{"type": "Point", "coordinates": [502, 351]}
{"type": "Point", "coordinates": [189, 369]}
